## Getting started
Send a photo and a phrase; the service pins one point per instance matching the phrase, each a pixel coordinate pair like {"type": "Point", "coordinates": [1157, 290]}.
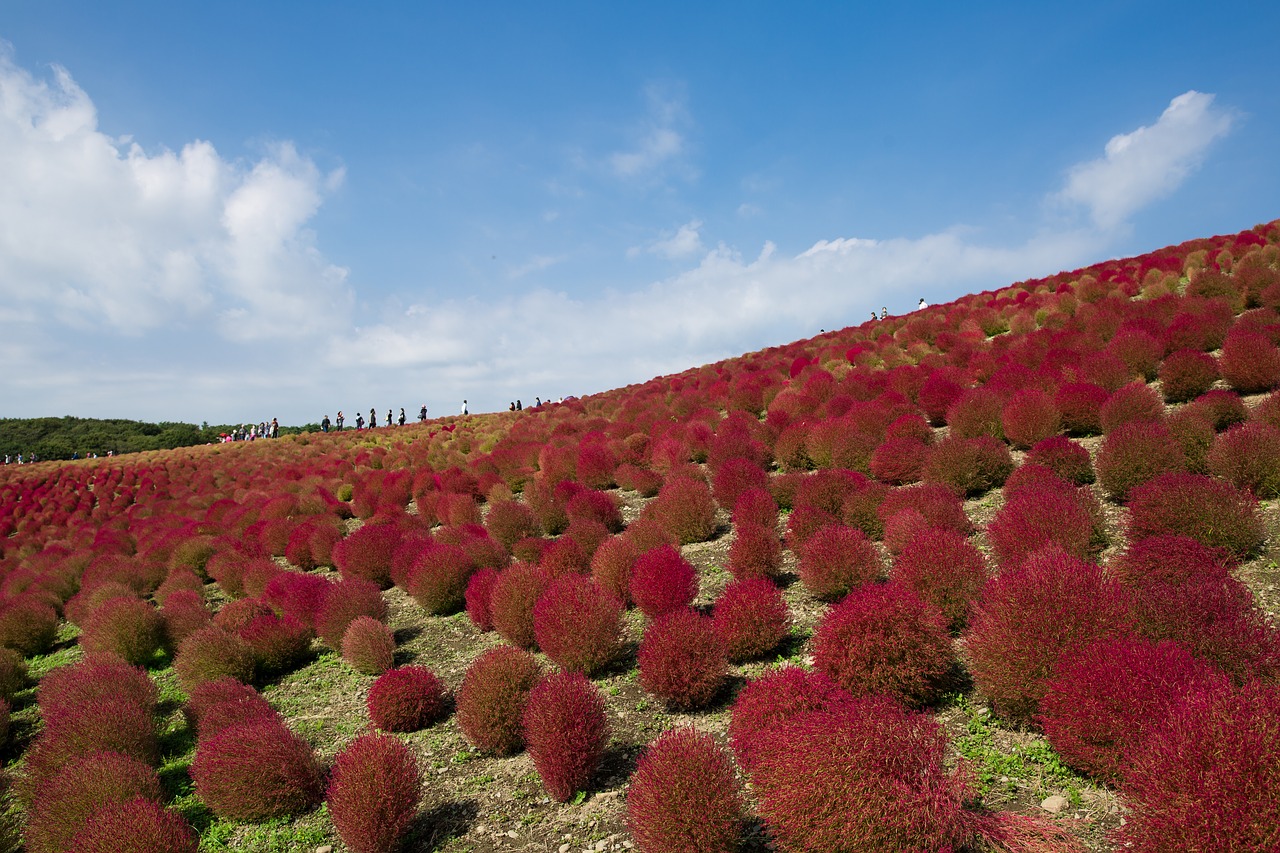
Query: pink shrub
{"type": "Point", "coordinates": [512, 600]}
{"type": "Point", "coordinates": [1193, 433]}
{"type": "Point", "coordinates": [1080, 404]}
{"type": "Point", "coordinates": [255, 771]}
{"type": "Point", "coordinates": [861, 508]}
{"type": "Point", "coordinates": [27, 625]}
{"type": "Point", "coordinates": [368, 553]}
{"type": "Point", "coordinates": [884, 640]}
{"type": "Point", "coordinates": [775, 697]}
{"type": "Point", "coordinates": [681, 660]}
{"type": "Point", "coordinates": [1211, 511]}
{"type": "Point", "coordinates": [406, 699]}
{"type": "Point", "coordinates": [492, 698]}
{"type": "Point", "coordinates": [437, 580]}
{"type": "Point", "coordinates": [1042, 516]}
{"type": "Point", "coordinates": [736, 477]}
{"type": "Point", "coordinates": [1103, 702]}
{"type": "Point", "coordinates": [1029, 617]}
{"type": "Point", "coordinates": [1139, 351]}
{"type": "Point", "coordinates": [1186, 374]}
{"type": "Point", "coordinates": [976, 412]}
{"type": "Point", "coordinates": [936, 503]}
{"type": "Point", "coordinates": [756, 506]}
{"type": "Point", "coordinates": [127, 627]}
{"type": "Point", "coordinates": [510, 521]}
{"type": "Point", "coordinates": [827, 490]}
{"type": "Point", "coordinates": [1250, 362]}
{"type": "Point", "coordinates": [1204, 331]}
{"type": "Point", "coordinates": [1223, 741]}
{"type": "Point", "coordinates": [210, 653]}
{"type": "Point", "coordinates": [368, 646]}
{"type": "Point", "coordinates": [1064, 457]}
{"type": "Point", "coordinates": [279, 643]}
{"type": "Point", "coordinates": [969, 466]}
{"type": "Point", "coordinates": [298, 595]}
{"type": "Point", "coordinates": [565, 556]}
{"type": "Point", "coordinates": [183, 614]}
{"type": "Point", "coordinates": [96, 677]}
{"type": "Point", "coordinates": [1134, 403]}
{"type": "Point", "coordinates": [685, 509]}
{"type": "Point", "coordinates": [804, 522]}
{"type": "Point", "coordinates": [589, 505]}
{"type": "Point", "coordinates": [578, 625]}
{"type": "Point", "coordinates": [836, 559]}
{"type": "Point", "coordinates": [750, 618]}
{"type": "Point", "coordinates": [110, 723]}
{"type": "Point", "coordinates": [945, 570]}
{"type": "Point", "coordinates": [565, 731]}
{"type": "Point", "coordinates": [683, 795]}
{"type": "Point", "coordinates": [347, 599]}
{"type": "Point", "coordinates": [755, 552]}
{"type": "Point", "coordinates": [64, 802]}
{"type": "Point", "coordinates": [373, 792]}
{"type": "Point", "coordinates": [899, 460]}
{"type": "Point", "coordinates": [937, 395]}
{"type": "Point", "coordinates": [1030, 416]}
{"type": "Point", "coordinates": [1245, 456]}
{"type": "Point", "coordinates": [1168, 559]}
{"type": "Point", "coordinates": [217, 704]}
{"type": "Point", "coordinates": [1133, 455]}
{"type": "Point", "coordinates": [611, 566]}
{"type": "Point", "coordinates": [1222, 409]}
{"type": "Point", "coordinates": [140, 825]}
{"type": "Point", "coordinates": [479, 596]}
{"type": "Point", "coordinates": [662, 581]}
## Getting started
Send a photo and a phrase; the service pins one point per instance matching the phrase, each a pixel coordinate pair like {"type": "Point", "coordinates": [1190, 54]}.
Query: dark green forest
{"type": "Point", "coordinates": [68, 437]}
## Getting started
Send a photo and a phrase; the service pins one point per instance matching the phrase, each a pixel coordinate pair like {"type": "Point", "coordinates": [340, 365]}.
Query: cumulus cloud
{"type": "Point", "coordinates": [98, 233]}
{"type": "Point", "coordinates": [684, 243]}
{"type": "Point", "coordinates": [1148, 163]}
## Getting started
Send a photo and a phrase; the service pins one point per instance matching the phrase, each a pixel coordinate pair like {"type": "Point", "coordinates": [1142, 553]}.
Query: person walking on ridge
{"type": "Point", "coordinates": [464, 408]}
{"type": "Point", "coordinates": [373, 418]}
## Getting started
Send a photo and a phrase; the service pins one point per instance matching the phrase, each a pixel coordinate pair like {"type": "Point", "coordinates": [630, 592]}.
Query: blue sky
{"type": "Point", "coordinates": [235, 211]}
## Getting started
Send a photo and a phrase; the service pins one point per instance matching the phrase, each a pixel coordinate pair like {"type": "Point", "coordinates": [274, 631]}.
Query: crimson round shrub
{"type": "Point", "coordinates": [944, 569]}
{"type": "Point", "coordinates": [757, 506]}
{"type": "Point", "coordinates": [104, 723]}
{"type": "Point", "coordinates": [64, 802]}
{"type": "Point", "coordinates": [823, 781]}
{"type": "Point", "coordinates": [937, 394]}
{"type": "Point", "coordinates": [736, 477]}
{"type": "Point", "coordinates": [216, 705]}
{"type": "Point", "coordinates": [127, 627]}
{"type": "Point", "coordinates": [755, 552]}
{"type": "Point", "coordinates": [96, 677]}
{"type": "Point", "coordinates": [140, 825]}
{"type": "Point", "coordinates": [884, 640]}
{"type": "Point", "coordinates": [437, 580]}
{"type": "Point", "coordinates": [682, 660]}
{"type": "Point", "coordinates": [686, 509]}
{"type": "Point", "coordinates": [1246, 457]}
{"type": "Point", "coordinates": [1080, 405]}
{"type": "Point", "coordinates": [406, 699]}
{"type": "Point", "coordinates": [82, 605]}
{"type": "Point", "coordinates": [256, 771]}
{"type": "Point", "coordinates": [578, 625]}
{"type": "Point", "coordinates": [565, 555]}
{"type": "Point", "coordinates": [210, 653]}
{"type": "Point", "coordinates": [1134, 454]}
{"type": "Point", "coordinates": [1250, 362]}
{"type": "Point", "coordinates": [1030, 416]}
{"type": "Point", "coordinates": [1103, 702]}
{"type": "Point", "coordinates": [1223, 409]}
{"type": "Point", "coordinates": [662, 581]}
{"type": "Point", "coordinates": [510, 521]}
{"type": "Point", "coordinates": [780, 694]}
{"type": "Point", "coordinates": [1222, 741]}
{"type": "Point", "coordinates": [1168, 559]}
{"type": "Point", "coordinates": [1186, 374]}
{"type": "Point", "coordinates": [367, 553]}
{"type": "Point", "coordinates": [611, 566]}
{"type": "Point", "coordinates": [478, 598]}
{"type": "Point", "coordinates": [492, 697]}
{"type": "Point", "coordinates": [565, 732]}
{"type": "Point", "coordinates": [899, 460]}
{"type": "Point", "coordinates": [27, 625]}
{"type": "Point", "coordinates": [969, 466]}
{"type": "Point", "coordinates": [804, 522]}
{"type": "Point", "coordinates": [512, 600]}
{"type": "Point", "coordinates": [936, 503]}
{"type": "Point", "coordinates": [1039, 516]}
{"type": "Point", "coordinates": [299, 595]}
{"type": "Point", "coordinates": [1199, 330]}
{"type": "Point", "coordinates": [1064, 457]}
{"type": "Point", "coordinates": [836, 559]}
{"type": "Point", "coordinates": [1139, 350]}
{"type": "Point", "coordinates": [347, 599]}
{"type": "Point", "coordinates": [373, 792]}
{"type": "Point", "coordinates": [1029, 617]}
{"type": "Point", "coordinates": [1134, 403]}
{"type": "Point", "coordinates": [178, 580]}
{"type": "Point", "coordinates": [751, 619]}
{"type": "Point", "coordinates": [236, 614]}
{"type": "Point", "coordinates": [976, 412]}
{"type": "Point", "coordinates": [1208, 510]}
{"type": "Point", "coordinates": [368, 646]}
{"type": "Point", "coordinates": [861, 508]}
{"type": "Point", "coordinates": [683, 795]}
{"type": "Point", "coordinates": [590, 505]}
{"type": "Point", "coordinates": [279, 643]}
{"type": "Point", "coordinates": [183, 614]}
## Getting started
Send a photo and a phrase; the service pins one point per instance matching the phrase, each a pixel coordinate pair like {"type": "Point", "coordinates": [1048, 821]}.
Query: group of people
{"type": "Point", "coordinates": [518, 406]}
{"type": "Point", "coordinates": [884, 310]}
{"type": "Point", "coordinates": [250, 432]}
{"type": "Point", "coordinates": [338, 422]}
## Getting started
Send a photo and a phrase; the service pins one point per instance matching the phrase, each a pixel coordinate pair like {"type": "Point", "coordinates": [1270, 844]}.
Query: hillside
{"type": "Point", "coordinates": [81, 438]}
{"type": "Point", "coordinates": [1013, 559]}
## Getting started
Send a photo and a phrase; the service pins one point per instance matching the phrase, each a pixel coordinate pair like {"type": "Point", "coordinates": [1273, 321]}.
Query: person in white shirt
{"type": "Point", "coordinates": [923, 304]}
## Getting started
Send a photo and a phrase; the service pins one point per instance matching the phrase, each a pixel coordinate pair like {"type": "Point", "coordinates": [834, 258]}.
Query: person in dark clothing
{"type": "Point", "coordinates": [338, 420]}
{"type": "Point", "coordinates": [422, 413]}
{"type": "Point", "coordinates": [359, 421]}
{"type": "Point", "coordinates": [373, 419]}
{"type": "Point", "coordinates": [402, 416]}
{"type": "Point", "coordinates": [324, 424]}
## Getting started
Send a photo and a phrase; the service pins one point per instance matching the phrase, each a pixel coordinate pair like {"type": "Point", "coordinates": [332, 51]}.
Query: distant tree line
{"type": "Point", "coordinates": [68, 437]}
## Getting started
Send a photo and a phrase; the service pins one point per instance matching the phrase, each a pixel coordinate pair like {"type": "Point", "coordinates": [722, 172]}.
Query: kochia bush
{"type": "Point", "coordinates": [1208, 510]}
{"type": "Point", "coordinates": [945, 569]}
{"type": "Point", "coordinates": [478, 597]}
{"type": "Point", "coordinates": [210, 653]}
{"type": "Point", "coordinates": [492, 697]}
{"type": "Point", "coordinates": [255, 771]}
{"type": "Point", "coordinates": [565, 731]}
{"type": "Point", "coordinates": [779, 695]}
{"type": "Point", "coordinates": [1250, 362]}
{"type": "Point", "coordinates": [1064, 457]}
{"type": "Point", "coordinates": [1030, 416]}
{"type": "Point", "coordinates": [368, 646]}
{"type": "Point", "coordinates": [1186, 374]}
{"type": "Point", "coordinates": [1245, 456]}
{"type": "Point", "coordinates": [1039, 516]}
{"type": "Point", "coordinates": [662, 581]}
{"type": "Point", "coordinates": [685, 509]}
{"type": "Point", "coordinates": [578, 624]}
{"type": "Point", "coordinates": [611, 566]}
{"type": "Point", "coordinates": [684, 796]}
{"type": "Point", "coordinates": [64, 802]}
{"type": "Point", "coordinates": [755, 552]}
{"type": "Point", "coordinates": [406, 699]}
{"type": "Point", "coordinates": [127, 627]}
{"type": "Point", "coordinates": [437, 580]}
{"type": "Point", "coordinates": [1134, 454]}
{"type": "Point", "coordinates": [1080, 404]}
{"type": "Point", "coordinates": [140, 825]}
{"type": "Point", "coordinates": [682, 660]}
{"type": "Point", "coordinates": [969, 466]}
{"type": "Point", "coordinates": [836, 559]}
{"type": "Point", "coordinates": [346, 600]}
{"type": "Point", "coordinates": [751, 618]}
{"type": "Point", "coordinates": [511, 602]}
{"type": "Point", "coordinates": [1134, 403]}
{"type": "Point", "coordinates": [373, 792]}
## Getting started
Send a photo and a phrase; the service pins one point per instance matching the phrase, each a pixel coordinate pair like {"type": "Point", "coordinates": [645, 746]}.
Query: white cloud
{"type": "Point", "coordinates": [684, 243]}
{"type": "Point", "coordinates": [1148, 163]}
{"type": "Point", "coordinates": [535, 264]}
{"type": "Point", "coordinates": [659, 141]}
{"type": "Point", "coordinates": [97, 233]}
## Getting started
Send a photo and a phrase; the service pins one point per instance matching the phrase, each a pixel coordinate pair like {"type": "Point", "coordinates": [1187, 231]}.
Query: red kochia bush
{"type": "Point", "coordinates": [611, 566]}
{"type": "Point", "coordinates": [127, 627]}
{"type": "Point", "coordinates": [1223, 409]}
{"type": "Point", "coordinates": [565, 731]}
{"type": "Point", "coordinates": [406, 699]}
{"type": "Point", "coordinates": [1250, 362]}
{"type": "Point", "coordinates": [225, 702]}
{"type": "Point", "coordinates": [279, 643]}
{"type": "Point", "coordinates": [511, 603]}
{"type": "Point", "coordinates": [373, 792]}
{"type": "Point", "coordinates": [511, 521]}
{"type": "Point", "coordinates": [1175, 560]}
{"type": "Point", "coordinates": [183, 614]}
{"type": "Point", "coordinates": [1222, 741]}
{"type": "Point", "coordinates": [1103, 702]}
{"type": "Point", "coordinates": [684, 796]}
{"type": "Point", "coordinates": [368, 553]}
{"type": "Point", "coordinates": [736, 477]}
{"type": "Point", "coordinates": [437, 580]}
{"type": "Point", "coordinates": [681, 660]}
{"type": "Point", "coordinates": [28, 625]}
{"type": "Point", "coordinates": [1186, 374]}
{"type": "Point", "coordinates": [1246, 457]}
{"type": "Point", "coordinates": [255, 771]}
{"type": "Point", "coordinates": [1134, 454]}
{"type": "Point", "coordinates": [750, 617]}
{"type": "Point", "coordinates": [662, 581]}
{"type": "Point", "coordinates": [478, 597]}
{"type": "Point", "coordinates": [347, 599]}
{"type": "Point", "coordinates": [140, 825]}
{"type": "Point", "coordinates": [368, 646]}
{"type": "Point", "coordinates": [1134, 403]}
{"type": "Point", "coordinates": [836, 559]}
{"type": "Point", "coordinates": [969, 466]}
{"type": "Point", "coordinates": [565, 556]}
{"type": "Point", "coordinates": [1030, 416]}
{"type": "Point", "coordinates": [936, 503]}
{"type": "Point", "coordinates": [1064, 457]}
{"type": "Point", "coordinates": [756, 506]}
{"type": "Point", "coordinates": [96, 677]}
{"type": "Point", "coordinates": [824, 783]}
{"type": "Point", "coordinates": [945, 570]}
{"type": "Point", "coordinates": [578, 625]}
{"type": "Point", "coordinates": [899, 460]}
{"type": "Point", "coordinates": [210, 653]}
{"type": "Point", "coordinates": [1080, 404]}
{"type": "Point", "coordinates": [1030, 616]}
{"type": "Point", "coordinates": [685, 509]}
{"type": "Point", "coordinates": [13, 673]}
{"type": "Point", "coordinates": [297, 594]}
{"type": "Point", "coordinates": [883, 640]}
{"type": "Point", "coordinates": [1210, 511]}
{"type": "Point", "coordinates": [1042, 515]}
{"type": "Point", "coordinates": [492, 697]}
{"type": "Point", "coordinates": [775, 697]}
{"type": "Point", "coordinates": [976, 412]}
{"type": "Point", "coordinates": [755, 552]}
{"type": "Point", "coordinates": [66, 800]}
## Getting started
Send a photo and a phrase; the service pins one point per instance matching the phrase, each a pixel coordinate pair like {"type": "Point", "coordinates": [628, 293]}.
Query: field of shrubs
{"type": "Point", "coordinates": [998, 575]}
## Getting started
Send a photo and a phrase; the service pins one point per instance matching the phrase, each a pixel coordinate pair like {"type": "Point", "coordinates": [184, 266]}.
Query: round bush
{"type": "Point", "coordinates": [511, 603]}
{"type": "Point", "coordinates": [1222, 409]}
{"type": "Point", "coordinates": [510, 521]}
{"type": "Point", "coordinates": [27, 625]}
{"type": "Point", "coordinates": [1168, 559]}
{"type": "Point", "coordinates": [1134, 403]}
{"type": "Point", "coordinates": [611, 566]}
{"type": "Point", "coordinates": [406, 699]}
{"type": "Point", "coordinates": [127, 627]}
{"type": "Point", "coordinates": [96, 677]}
{"type": "Point", "coordinates": [373, 792]}
{"type": "Point", "coordinates": [368, 552]}
{"type": "Point", "coordinates": [755, 552]}
{"type": "Point", "coordinates": [751, 619]}
{"type": "Point", "coordinates": [65, 801]}
{"type": "Point", "coordinates": [1064, 457]}
{"type": "Point", "coordinates": [683, 795]}
{"type": "Point", "coordinates": [346, 600]}
{"type": "Point", "coordinates": [662, 581]}
{"type": "Point", "coordinates": [578, 625]}
{"type": "Point", "coordinates": [1245, 456]}
{"type": "Point", "coordinates": [1139, 351]}
{"type": "Point", "coordinates": [899, 460]}
{"type": "Point", "coordinates": [140, 825]}
{"type": "Point", "coordinates": [1029, 617]}
{"type": "Point", "coordinates": [279, 643]}
{"type": "Point", "coordinates": [685, 509]}
{"type": "Point", "coordinates": [492, 698]}
{"type": "Point", "coordinates": [368, 646]}
{"type": "Point", "coordinates": [1080, 404]}
{"type": "Point", "coordinates": [218, 705]}
{"type": "Point", "coordinates": [976, 412]}
{"type": "Point", "coordinates": [681, 660]}
{"type": "Point", "coordinates": [183, 614]}
{"type": "Point", "coordinates": [1208, 510]}
{"type": "Point", "coordinates": [734, 478]}
{"type": "Point", "coordinates": [1250, 362]}
{"type": "Point", "coordinates": [566, 556]}
{"type": "Point", "coordinates": [13, 673]}
{"type": "Point", "coordinates": [1134, 454]}
{"type": "Point", "coordinates": [210, 653]}
{"type": "Point", "coordinates": [757, 506]}
{"type": "Point", "coordinates": [479, 598]}
{"type": "Point", "coordinates": [836, 559]}
{"type": "Point", "coordinates": [936, 503]}
{"type": "Point", "coordinates": [1186, 374]}
{"type": "Point", "coordinates": [779, 695]}
{"type": "Point", "coordinates": [298, 595]}
{"type": "Point", "coordinates": [1040, 516]}
{"type": "Point", "coordinates": [969, 466]}
{"type": "Point", "coordinates": [565, 731]}
{"type": "Point", "coordinates": [256, 771]}
{"type": "Point", "coordinates": [1030, 416]}
{"type": "Point", "coordinates": [437, 579]}
{"type": "Point", "coordinates": [944, 569]}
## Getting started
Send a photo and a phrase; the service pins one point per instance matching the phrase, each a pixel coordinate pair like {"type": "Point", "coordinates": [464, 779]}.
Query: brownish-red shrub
{"type": "Point", "coordinates": [756, 506]}
{"type": "Point", "coordinates": [183, 614]}
{"type": "Point", "coordinates": [223, 702]}
{"type": "Point", "coordinates": [1133, 455]}
{"type": "Point", "coordinates": [1250, 362]}
{"type": "Point", "coordinates": [492, 697]}
{"type": "Point", "coordinates": [279, 643]}
{"type": "Point", "coordinates": [1043, 515]}
{"type": "Point", "coordinates": [510, 521]}
{"type": "Point", "coordinates": [347, 599]}
{"type": "Point", "coordinates": [511, 602]}
{"type": "Point", "coordinates": [13, 673]}
{"type": "Point", "coordinates": [478, 597]}
{"type": "Point", "coordinates": [944, 569]}
{"type": "Point", "coordinates": [65, 801]}
{"type": "Point", "coordinates": [27, 625]}
{"type": "Point", "coordinates": [736, 477]}
{"type": "Point", "coordinates": [127, 627]}
{"type": "Point", "coordinates": [899, 460]}
{"type": "Point", "coordinates": [368, 646]}
{"type": "Point", "coordinates": [776, 696]}
{"type": "Point", "coordinates": [255, 771]}
{"type": "Point", "coordinates": [1222, 409]}
{"type": "Point", "coordinates": [936, 503]}
{"type": "Point", "coordinates": [578, 625]}
{"type": "Point", "coordinates": [140, 825]}
{"type": "Point", "coordinates": [373, 792]}
{"type": "Point", "coordinates": [684, 796]}
{"type": "Point", "coordinates": [682, 660]}
{"type": "Point", "coordinates": [1139, 350]}
{"type": "Point", "coordinates": [406, 699]}
{"type": "Point", "coordinates": [1030, 416]}
{"type": "Point", "coordinates": [969, 466]}
{"type": "Point", "coordinates": [1080, 404]}
{"type": "Point", "coordinates": [1246, 457]}
{"type": "Point", "coordinates": [368, 552]}
{"type": "Point", "coordinates": [1186, 374]}
{"type": "Point", "coordinates": [836, 559]}
{"type": "Point", "coordinates": [565, 556]}
{"type": "Point", "coordinates": [437, 580]}
{"type": "Point", "coordinates": [976, 412]}
{"type": "Point", "coordinates": [210, 653]}
{"type": "Point", "coordinates": [1211, 511]}
{"type": "Point", "coordinates": [565, 731]}
{"type": "Point", "coordinates": [751, 619]}
{"type": "Point", "coordinates": [1064, 457]}
{"type": "Point", "coordinates": [611, 566]}
{"type": "Point", "coordinates": [1134, 403]}
{"type": "Point", "coordinates": [755, 552]}
{"type": "Point", "coordinates": [685, 509]}
{"type": "Point", "coordinates": [662, 581]}
{"type": "Point", "coordinates": [297, 594]}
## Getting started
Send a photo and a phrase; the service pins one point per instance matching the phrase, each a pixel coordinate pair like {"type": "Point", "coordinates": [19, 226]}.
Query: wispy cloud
{"type": "Point", "coordinates": [659, 140]}
{"type": "Point", "coordinates": [1148, 163]}
{"type": "Point", "coordinates": [685, 242]}
{"type": "Point", "coordinates": [535, 264]}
